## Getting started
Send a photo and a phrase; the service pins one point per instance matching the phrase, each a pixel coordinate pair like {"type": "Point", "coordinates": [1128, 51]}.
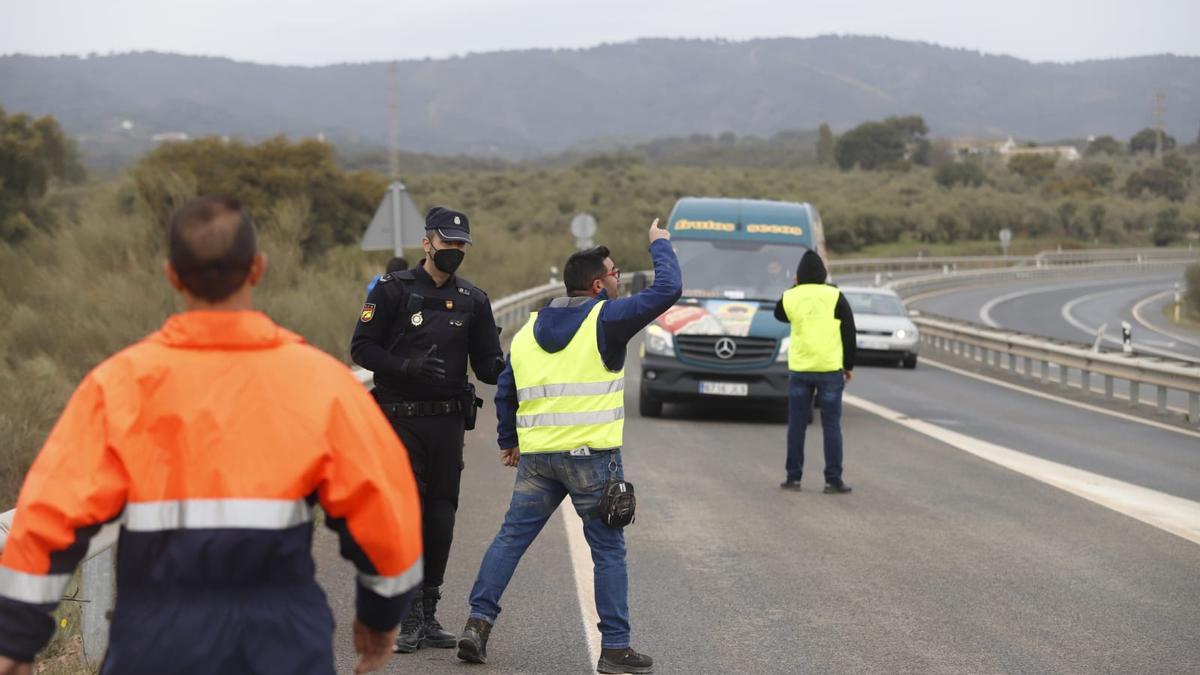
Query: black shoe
{"type": "Point", "coordinates": [838, 488]}
{"type": "Point", "coordinates": [433, 633]}
{"type": "Point", "coordinates": [624, 661]}
{"type": "Point", "coordinates": [472, 646]}
{"type": "Point", "coordinates": [411, 629]}
{"type": "Point", "coordinates": [790, 485]}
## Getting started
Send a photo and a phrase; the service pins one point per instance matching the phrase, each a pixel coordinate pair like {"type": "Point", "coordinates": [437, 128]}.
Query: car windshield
{"type": "Point", "coordinates": [875, 303]}
{"type": "Point", "coordinates": [736, 269]}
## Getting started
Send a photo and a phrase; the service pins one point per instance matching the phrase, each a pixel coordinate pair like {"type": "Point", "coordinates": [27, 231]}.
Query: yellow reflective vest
{"type": "Point", "coordinates": [816, 341]}
{"type": "Point", "coordinates": [567, 400]}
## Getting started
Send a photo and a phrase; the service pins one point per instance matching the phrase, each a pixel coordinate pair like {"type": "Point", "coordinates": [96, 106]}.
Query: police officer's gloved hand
{"type": "Point", "coordinates": [426, 365]}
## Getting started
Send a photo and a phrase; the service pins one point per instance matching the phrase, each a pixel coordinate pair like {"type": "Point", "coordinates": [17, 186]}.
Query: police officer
{"type": "Point", "coordinates": [416, 332]}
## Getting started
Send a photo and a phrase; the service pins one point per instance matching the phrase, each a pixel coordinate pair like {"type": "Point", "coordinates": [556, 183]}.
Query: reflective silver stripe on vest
{"type": "Point", "coordinates": [197, 514]}
{"type": "Point", "coordinates": [570, 419]}
{"type": "Point", "coordinates": [577, 389]}
{"type": "Point", "coordinates": [390, 587]}
{"type": "Point", "coordinates": [37, 589]}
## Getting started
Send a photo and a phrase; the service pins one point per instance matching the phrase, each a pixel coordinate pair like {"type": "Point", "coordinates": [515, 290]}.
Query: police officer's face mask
{"type": "Point", "coordinates": [446, 259]}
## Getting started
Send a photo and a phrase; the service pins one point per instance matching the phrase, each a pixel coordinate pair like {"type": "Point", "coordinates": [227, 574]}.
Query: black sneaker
{"type": "Point", "coordinates": [838, 488]}
{"type": "Point", "coordinates": [790, 485]}
{"type": "Point", "coordinates": [472, 645]}
{"type": "Point", "coordinates": [624, 661]}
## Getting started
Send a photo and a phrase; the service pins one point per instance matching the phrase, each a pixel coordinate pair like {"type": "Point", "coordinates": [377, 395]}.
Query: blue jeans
{"type": "Point", "coordinates": [828, 387]}
{"type": "Point", "coordinates": [543, 480]}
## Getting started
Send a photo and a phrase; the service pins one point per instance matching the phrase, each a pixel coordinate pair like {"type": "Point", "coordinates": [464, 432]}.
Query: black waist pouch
{"type": "Point", "coordinates": [617, 504]}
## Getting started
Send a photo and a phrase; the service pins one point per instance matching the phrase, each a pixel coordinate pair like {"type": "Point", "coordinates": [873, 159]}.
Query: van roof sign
{"type": "Point", "coordinates": [742, 219]}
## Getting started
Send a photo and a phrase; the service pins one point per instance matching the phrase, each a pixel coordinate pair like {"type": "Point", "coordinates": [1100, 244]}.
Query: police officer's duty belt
{"type": "Point", "coordinates": [422, 408]}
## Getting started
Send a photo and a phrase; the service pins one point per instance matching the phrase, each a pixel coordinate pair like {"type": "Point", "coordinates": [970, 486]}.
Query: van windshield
{"type": "Point", "coordinates": [737, 270]}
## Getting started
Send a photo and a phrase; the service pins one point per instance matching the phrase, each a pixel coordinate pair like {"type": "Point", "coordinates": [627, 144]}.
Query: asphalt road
{"type": "Point", "coordinates": [939, 562]}
{"type": "Point", "coordinates": [1074, 309]}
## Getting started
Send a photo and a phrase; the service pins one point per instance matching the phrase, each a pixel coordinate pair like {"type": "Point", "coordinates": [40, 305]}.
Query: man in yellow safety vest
{"type": "Point", "coordinates": [560, 403]}
{"type": "Point", "coordinates": [821, 355]}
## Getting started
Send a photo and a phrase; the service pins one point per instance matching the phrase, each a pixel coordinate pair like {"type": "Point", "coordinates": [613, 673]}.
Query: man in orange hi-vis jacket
{"type": "Point", "coordinates": [211, 441]}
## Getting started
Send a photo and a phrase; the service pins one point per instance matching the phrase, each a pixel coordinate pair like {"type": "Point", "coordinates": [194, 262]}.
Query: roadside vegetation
{"type": "Point", "coordinates": [81, 259]}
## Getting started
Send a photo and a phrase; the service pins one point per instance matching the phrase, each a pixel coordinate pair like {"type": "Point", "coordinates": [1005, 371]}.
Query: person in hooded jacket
{"type": "Point", "coordinates": [820, 359]}
{"type": "Point", "coordinates": [210, 442]}
{"type": "Point", "coordinates": [561, 408]}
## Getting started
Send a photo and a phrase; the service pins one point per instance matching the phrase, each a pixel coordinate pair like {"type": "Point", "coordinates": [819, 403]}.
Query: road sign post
{"type": "Point", "coordinates": [1005, 240]}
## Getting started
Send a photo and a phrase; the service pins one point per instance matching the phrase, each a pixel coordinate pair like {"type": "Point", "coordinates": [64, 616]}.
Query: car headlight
{"type": "Point", "coordinates": [784, 345]}
{"type": "Point", "coordinates": [900, 334]}
{"type": "Point", "coordinates": [659, 341]}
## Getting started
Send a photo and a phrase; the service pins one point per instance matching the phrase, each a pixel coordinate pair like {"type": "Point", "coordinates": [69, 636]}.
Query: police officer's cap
{"type": "Point", "coordinates": [450, 225]}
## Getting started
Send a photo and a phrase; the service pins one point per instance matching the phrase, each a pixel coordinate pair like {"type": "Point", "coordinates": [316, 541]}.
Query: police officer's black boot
{"type": "Point", "coordinates": [472, 646]}
{"type": "Point", "coordinates": [624, 661]}
{"type": "Point", "coordinates": [411, 629]}
{"type": "Point", "coordinates": [434, 634]}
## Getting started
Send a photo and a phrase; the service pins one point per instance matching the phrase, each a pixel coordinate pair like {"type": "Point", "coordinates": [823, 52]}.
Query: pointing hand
{"type": "Point", "coordinates": [657, 232]}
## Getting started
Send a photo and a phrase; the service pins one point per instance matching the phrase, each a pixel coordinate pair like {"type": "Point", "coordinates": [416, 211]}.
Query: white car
{"type": "Point", "coordinates": [885, 332]}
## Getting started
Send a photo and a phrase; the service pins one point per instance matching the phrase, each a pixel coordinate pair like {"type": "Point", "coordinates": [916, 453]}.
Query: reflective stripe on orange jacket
{"type": "Point", "coordinates": [211, 440]}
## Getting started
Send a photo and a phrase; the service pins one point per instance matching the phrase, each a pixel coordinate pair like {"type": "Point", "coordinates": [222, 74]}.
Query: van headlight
{"type": "Point", "coordinates": [784, 345]}
{"type": "Point", "coordinates": [659, 341]}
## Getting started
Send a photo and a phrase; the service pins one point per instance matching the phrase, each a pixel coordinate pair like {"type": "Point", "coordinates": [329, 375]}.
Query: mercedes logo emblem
{"type": "Point", "coordinates": [725, 348]}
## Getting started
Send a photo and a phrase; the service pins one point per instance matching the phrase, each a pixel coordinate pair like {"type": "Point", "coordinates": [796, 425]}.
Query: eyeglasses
{"type": "Point", "coordinates": [616, 272]}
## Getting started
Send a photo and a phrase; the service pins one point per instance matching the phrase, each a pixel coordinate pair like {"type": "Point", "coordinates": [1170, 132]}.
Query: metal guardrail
{"type": "Point", "coordinates": [96, 588]}
{"type": "Point", "coordinates": [1022, 355]}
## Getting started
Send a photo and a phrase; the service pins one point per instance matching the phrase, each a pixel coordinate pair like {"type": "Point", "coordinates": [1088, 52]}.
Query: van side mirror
{"type": "Point", "coordinates": [914, 312]}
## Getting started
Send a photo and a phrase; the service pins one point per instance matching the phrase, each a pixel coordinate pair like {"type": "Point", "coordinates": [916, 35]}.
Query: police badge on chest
{"type": "Point", "coordinates": [417, 319]}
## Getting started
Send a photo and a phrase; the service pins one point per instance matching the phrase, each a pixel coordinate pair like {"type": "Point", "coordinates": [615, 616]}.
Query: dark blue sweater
{"type": "Point", "coordinates": [620, 321]}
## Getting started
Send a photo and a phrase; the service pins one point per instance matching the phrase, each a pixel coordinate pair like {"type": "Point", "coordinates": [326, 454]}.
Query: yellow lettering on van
{"type": "Point", "coordinates": [704, 225]}
{"type": "Point", "coordinates": [792, 230]}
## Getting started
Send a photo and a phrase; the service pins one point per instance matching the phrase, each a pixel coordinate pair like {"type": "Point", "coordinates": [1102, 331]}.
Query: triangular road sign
{"type": "Point", "coordinates": [397, 223]}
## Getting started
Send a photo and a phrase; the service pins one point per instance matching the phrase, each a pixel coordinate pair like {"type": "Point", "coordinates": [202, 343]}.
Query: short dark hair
{"type": "Point", "coordinates": [212, 245]}
{"type": "Point", "coordinates": [396, 264]}
{"type": "Point", "coordinates": [584, 267]}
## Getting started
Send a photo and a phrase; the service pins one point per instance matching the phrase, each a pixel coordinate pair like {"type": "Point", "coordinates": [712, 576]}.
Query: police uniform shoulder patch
{"type": "Point", "coordinates": [385, 278]}
{"type": "Point", "coordinates": [464, 291]}
{"type": "Point", "coordinates": [368, 312]}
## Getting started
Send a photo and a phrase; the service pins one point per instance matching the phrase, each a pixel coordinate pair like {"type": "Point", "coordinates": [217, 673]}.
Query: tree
{"type": "Point", "coordinates": [33, 153]}
{"type": "Point", "coordinates": [824, 145]}
{"type": "Point", "coordinates": [1168, 227]}
{"type": "Point", "coordinates": [1099, 173]}
{"type": "Point", "coordinates": [1159, 181]}
{"type": "Point", "coordinates": [1103, 145]}
{"type": "Point", "coordinates": [1033, 168]}
{"type": "Point", "coordinates": [966, 174]}
{"type": "Point", "coordinates": [922, 154]}
{"type": "Point", "coordinates": [911, 128]}
{"type": "Point", "coordinates": [1177, 164]}
{"type": "Point", "coordinates": [1146, 140]}
{"type": "Point", "coordinates": [870, 146]}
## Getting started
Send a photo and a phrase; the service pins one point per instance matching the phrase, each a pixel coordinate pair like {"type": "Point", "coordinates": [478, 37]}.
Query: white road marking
{"type": "Point", "coordinates": [581, 564]}
{"type": "Point", "coordinates": [1065, 401]}
{"type": "Point", "coordinates": [1169, 513]}
{"type": "Point", "coordinates": [1138, 345]}
{"type": "Point", "coordinates": [985, 312]}
{"type": "Point", "coordinates": [1137, 315]}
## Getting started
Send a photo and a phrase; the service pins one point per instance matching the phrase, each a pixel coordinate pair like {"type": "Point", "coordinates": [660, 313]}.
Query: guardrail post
{"type": "Point", "coordinates": [1028, 366]}
{"type": "Point", "coordinates": [97, 581]}
{"type": "Point", "coordinates": [1063, 373]}
{"type": "Point", "coordinates": [1134, 393]}
{"type": "Point", "coordinates": [1162, 400]}
{"type": "Point", "coordinates": [1045, 368]}
{"type": "Point", "coordinates": [1194, 407]}
{"type": "Point", "coordinates": [1108, 386]}
{"type": "Point", "coordinates": [1012, 363]}
{"type": "Point", "coordinates": [1085, 380]}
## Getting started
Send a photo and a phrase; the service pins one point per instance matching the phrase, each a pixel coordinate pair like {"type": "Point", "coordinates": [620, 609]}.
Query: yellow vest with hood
{"type": "Point", "coordinates": [567, 400]}
{"type": "Point", "coordinates": [816, 341]}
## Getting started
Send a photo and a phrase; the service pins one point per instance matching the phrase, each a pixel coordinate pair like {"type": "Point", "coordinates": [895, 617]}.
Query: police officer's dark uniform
{"type": "Point", "coordinates": [417, 337]}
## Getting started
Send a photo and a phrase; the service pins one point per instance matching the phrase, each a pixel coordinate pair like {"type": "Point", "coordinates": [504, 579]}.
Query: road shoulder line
{"type": "Point", "coordinates": [581, 565]}
{"type": "Point", "coordinates": [1059, 399]}
{"type": "Point", "coordinates": [1169, 513]}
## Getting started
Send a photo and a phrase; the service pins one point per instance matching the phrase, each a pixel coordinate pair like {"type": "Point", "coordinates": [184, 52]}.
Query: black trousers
{"type": "Point", "coordinates": [435, 450]}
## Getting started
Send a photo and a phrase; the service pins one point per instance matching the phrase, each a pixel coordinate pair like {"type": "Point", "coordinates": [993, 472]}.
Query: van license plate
{"type": "Point", "coordinates": [725, 388]}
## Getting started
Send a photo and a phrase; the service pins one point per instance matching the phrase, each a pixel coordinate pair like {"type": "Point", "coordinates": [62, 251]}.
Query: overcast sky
{"type": "Point", "coordinates": [317, 32]}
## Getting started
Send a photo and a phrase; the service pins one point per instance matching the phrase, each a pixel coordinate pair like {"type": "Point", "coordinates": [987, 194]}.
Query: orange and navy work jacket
{"type": "Point", "coordinates": [211, 441]}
